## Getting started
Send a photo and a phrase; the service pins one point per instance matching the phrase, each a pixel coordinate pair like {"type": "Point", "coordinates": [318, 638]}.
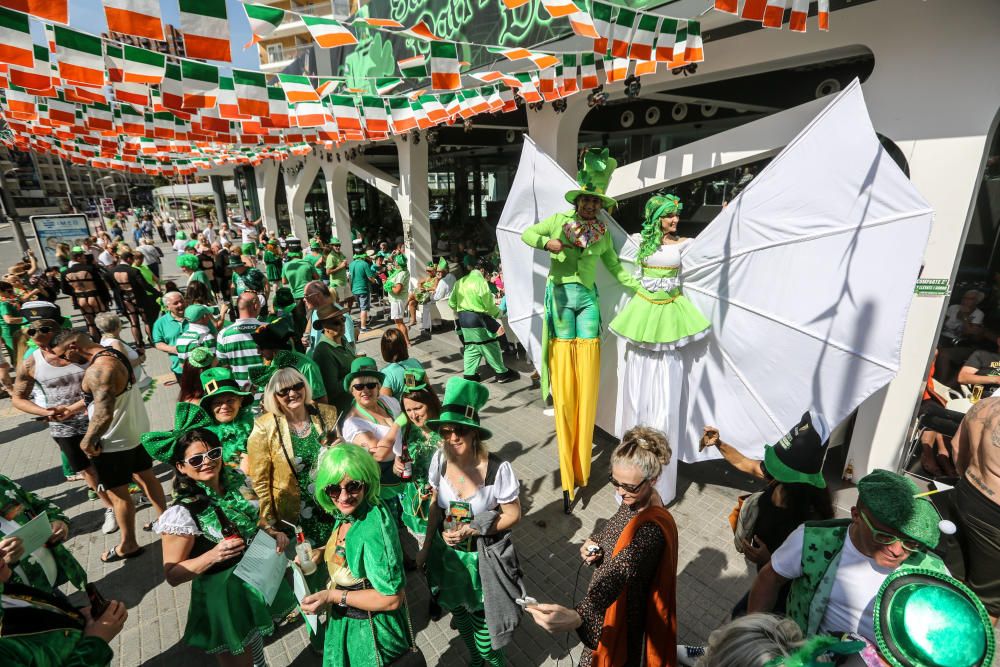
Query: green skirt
{"type": "Point", "coordinates": [660, 320]}
{"type": "Point", "coordinates": [354, 641]}
{"type": "Point", "coordinates": [453, 576]}
{"type": "Point", "coordinates": [225, 612]}
{"type": "Point", "coordinates": [416, 507]}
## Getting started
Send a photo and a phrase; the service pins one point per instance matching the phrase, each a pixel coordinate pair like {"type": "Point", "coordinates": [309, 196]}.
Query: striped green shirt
{"type": "Point", "coordinates": [237, 350]}
{"type": "Point", "coordinates": [196, 335]}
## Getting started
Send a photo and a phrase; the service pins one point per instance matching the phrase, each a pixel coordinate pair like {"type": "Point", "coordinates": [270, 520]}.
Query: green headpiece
{"type": "Point", "coordinates": [593, 178]}
{"type": "Point", "coordinates": [414, 379]}
{"type": "Point", "coordinates": [272, 336]}
{"type": "Point", "coordinates": [890, 498]}
{"type": "Point", "coordinates": [463, 399]}
{"type": "Point", "coordinates": [798, 457]}
{"type": "Point", "coordinates": [200, 357]}
{"type": "Point", "coordinates": [314, 245]}
{"type": "Point", "coordinates": [362, 367]}
{"type": "Point", "coordinates": [196, 311]}
{"type": "Point", "coordinates": [334, 240]}
{"type": "Point", "coordinates": [188, 262]}
{"type": "Point", "coordinates": [652, 232]}
{"type": "Point", "coordinates": [181, 236]}
{"type": "Point", "coordinates": [401, 261]}
{"type": "Point", "coordinates": [161, 444]}
{"type": "Point", "coordinates": [809, 653]}
{"type": "Point", "coordinates": [346, 460]}
{"type": "Point", "coordinates": [261, 375]}
{"type": "Point", "coordinates": [925, 618]}
{"type": "Point", "coordinates": [216, 381]}
{"type": "Point", "coordinates": [76, 250]}
{"type": "Point", "coordinates": [442, 264]}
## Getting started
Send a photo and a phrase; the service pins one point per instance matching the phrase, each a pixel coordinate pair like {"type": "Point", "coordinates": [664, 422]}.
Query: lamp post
{"type": "Point", "coordinates": [22, 242]}
{"type": "Point", "coordinates": [111, 178]}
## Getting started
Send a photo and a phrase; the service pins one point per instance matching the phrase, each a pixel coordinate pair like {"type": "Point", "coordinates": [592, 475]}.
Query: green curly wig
{"type": "Point", "coordinates": [652, 231]}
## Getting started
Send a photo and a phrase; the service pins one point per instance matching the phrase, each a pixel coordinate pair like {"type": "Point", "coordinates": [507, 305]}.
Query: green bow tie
{"type": "Point", "coordinates": [161, 444]}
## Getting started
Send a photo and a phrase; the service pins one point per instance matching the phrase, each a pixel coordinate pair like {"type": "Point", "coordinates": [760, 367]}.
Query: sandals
{"type": "Point", "coordinates": [112, 556]}
{"type": "Point", "coordinates": [148, 527]}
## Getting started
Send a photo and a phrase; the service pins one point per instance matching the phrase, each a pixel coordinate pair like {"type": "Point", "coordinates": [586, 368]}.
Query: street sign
{"type": "Point", "coordinates": [932, 287]}
{"type": "Point", "coordinates": [107, 205]}
{"type": "Point", "coordinates": [51, 230]}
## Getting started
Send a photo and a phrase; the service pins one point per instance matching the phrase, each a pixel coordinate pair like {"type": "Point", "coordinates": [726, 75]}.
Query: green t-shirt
{"type": "Point", "coordinates": [199, 276]}
{"type": "Point", "coordinates": [6, 330]}
{"type": "Point", "coordinates": [337, 278]}
{"type": "Point", "coordinates": [361, 274]}
{"type": "Point", "coordinates": [167, 330]}
{"type": "Point", "coordinates": [395, 375]}
{"type": "Point", "coordinates": [401, 277]}
{"type": "Point", "coordinates": [298, 273]}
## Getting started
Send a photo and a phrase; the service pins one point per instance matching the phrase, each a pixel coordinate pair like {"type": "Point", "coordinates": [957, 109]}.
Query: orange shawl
{"type": "Point", "coordinates": [661, 614]}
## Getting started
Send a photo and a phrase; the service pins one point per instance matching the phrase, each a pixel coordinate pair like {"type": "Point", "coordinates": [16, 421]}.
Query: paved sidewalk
{"type": "Point", "coordinates": [711, 577]}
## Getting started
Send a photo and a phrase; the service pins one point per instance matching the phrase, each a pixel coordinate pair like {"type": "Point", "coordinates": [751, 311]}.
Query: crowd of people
{"type": "Point", "coordinates": [289, 442]}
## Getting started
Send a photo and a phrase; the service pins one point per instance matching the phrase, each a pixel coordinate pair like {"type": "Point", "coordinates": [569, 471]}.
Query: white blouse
{"type": "Point", "coordinates": [505, 488]}
{"type": "Point", "coordinates": [177, 520]}
{"type": "Point", "coordinates": [665, 255]}
{"type": "Point", "coordinates": [358, 424]}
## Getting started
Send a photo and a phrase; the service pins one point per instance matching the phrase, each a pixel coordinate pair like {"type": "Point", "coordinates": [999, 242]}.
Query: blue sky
{"type": "Point", "coordinates": [88, 16]}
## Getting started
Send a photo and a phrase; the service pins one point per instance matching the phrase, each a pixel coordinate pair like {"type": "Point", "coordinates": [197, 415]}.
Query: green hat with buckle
{"type": "Point", "coordinates": [925, 618]}
{"type": "Point", "coordinates": [593, 178]}
{"type": "Point", "coordinates": [414, 379]}
{"type": "Point", "coordinates": [219, 380]}
{"type": "Point", "coordinates": [362, 367]}
{"type": "Point", "coordinates": [891, 499]}
{"type": "Point", "coordinates": [463, 399]}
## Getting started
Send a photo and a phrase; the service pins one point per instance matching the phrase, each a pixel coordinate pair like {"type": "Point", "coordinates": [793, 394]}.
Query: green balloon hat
{"type": "Point", "coordinates": [593, 178]}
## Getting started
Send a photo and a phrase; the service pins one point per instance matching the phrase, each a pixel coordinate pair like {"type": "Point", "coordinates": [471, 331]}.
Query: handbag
{"type": "Point", "coordinates": [413, 656]}
{"type": "Point", "coordinates": [744, 518]}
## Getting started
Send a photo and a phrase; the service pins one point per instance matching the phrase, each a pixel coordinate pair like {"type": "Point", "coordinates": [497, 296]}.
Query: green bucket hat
{"type": "Point", "coordinates": [593, 178]}
{"type": "Point", "coordinates": [216, 381]}
{"type": "Point", "coordinates": [188, 262]}
{"type": "Point", "coordinates": [196, 311]}
{"type": "Point", "coordinates": [201, 357]}
{"type": "Point", "coordinates": [463, 399]}
{"type": "Point", "coordinates": [414, 379]}
{"type": "Point", "coordinates": [362, 367]}
{"type": "Point", "coordinates": [925, 618]}
{"type": "Point", "coordinates": [161, 444]}
{"type": "Point", "coordinates": [798, 457]}
{"type": "Point", "coordinates": [314, 245]}
{"type": "Point", "coordinates": [334, 240]}
{"type": "Point", "coordinates": [891, 499]}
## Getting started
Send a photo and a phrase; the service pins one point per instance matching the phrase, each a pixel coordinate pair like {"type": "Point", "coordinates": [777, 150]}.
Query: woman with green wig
{"type": "Point", "coordinates": [368, 622]}
{"type": "Point", "coordinates": [656, 321]}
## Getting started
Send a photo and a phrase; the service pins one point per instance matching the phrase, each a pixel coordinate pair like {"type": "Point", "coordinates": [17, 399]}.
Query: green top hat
{"type": "Point", "coordinates": [925, 618]}
{"type": "Point", "coordinates": [314, 245]}
{"type": "Point", "coordinates": [362, 367]}
{"type": "Point", "coordinates": [196, 311]}
{"type": "Point", "coordinates": [201, 357]}
{"type": "Point", "coordinates": [272, 336]}
{"type": "Point", "coordinates": [161, 444]}
{"type": "Point", "coordinates": [414, 379]}
{"type": "Point", "coordinates": [798, 457]}
{"type": "Point", "coordinates": [235, 262]}
{"type": "Point", "coordinates": [188, 262]}
{"type": "Point", "coordinates": [593, 178]}
{"type": "Point", "coordinates": [216, 381]}
{"type": "Point", "coordinates": [890, 498]}
{"type": "Point", "coordinates": [283, 298]}
{"type": "Point", "coordinates": [463, 399]}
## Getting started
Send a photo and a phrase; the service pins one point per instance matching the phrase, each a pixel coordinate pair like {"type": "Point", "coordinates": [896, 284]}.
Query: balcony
{"type": "Point", "coordinates": [286, 58]}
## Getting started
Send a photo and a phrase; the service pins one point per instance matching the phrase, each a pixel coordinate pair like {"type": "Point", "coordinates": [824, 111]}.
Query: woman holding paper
{"type": "Point", "coordinates": [204, 534]}
{"type": "Point", "coordinates": [369, 623]}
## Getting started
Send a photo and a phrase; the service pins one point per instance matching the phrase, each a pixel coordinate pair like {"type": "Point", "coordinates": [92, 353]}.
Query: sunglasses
{"type": "Point", "coordinates": [33, 331]}
{"type": "Point", "coordinates": [886, 539]}
{"type": "Point", "coordinates": [353, 488]}
{"type": "Point", "coordinates": [197, 460]}
{"type": "Point", "coordinates": [364, 385]}
{"type": "Point", "coordinates": [628, 488]}
{"type": "Point", "coordinates": [297, 388]}
{"type": "Point", "coordinates": [458, 429]}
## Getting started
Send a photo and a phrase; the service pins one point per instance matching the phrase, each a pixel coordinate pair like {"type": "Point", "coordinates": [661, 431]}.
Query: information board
{"type": "Point", "coordinates": [51, 230]}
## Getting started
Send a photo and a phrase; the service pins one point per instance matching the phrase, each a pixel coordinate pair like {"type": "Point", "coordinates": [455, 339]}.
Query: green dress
{"type": "Point", "coordinates": [371, 551]}
{"type": "Point", "coordinates": [233, 436]}
{"type": "Point", "coordinates": [315, 522]}
{"type": "Point", "coordinates": [416, 495]}
{"type": "Point", "coordinates": [225, 612]}
{"type": "Point", "coordinates": [10, 309]}
{"type": "Point", "coordinates": [272, 266]}
{"type": "Point", "coordinates": [20, 506]}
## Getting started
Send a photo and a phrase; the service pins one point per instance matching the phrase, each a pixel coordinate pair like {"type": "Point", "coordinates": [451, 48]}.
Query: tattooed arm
{"type": "Point", "coordinates": [105, 379]}
{"type": "Point", "coordinates": [24, 383]}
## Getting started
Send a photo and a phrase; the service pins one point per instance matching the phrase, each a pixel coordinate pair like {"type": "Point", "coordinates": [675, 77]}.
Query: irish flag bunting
{"type": "Point", "coordinates": [328, 33]}
{"type": "Point", "coordinates": [38, 77]}
{"type": "Point", "coordinates": [616, 69]}
{"type": "Point", "coordinates": [171, 88]}
{"type": "Point", "coordinates": [543, 60]}
{"type": "Point", "coordinates": [205, 26]}
{"type": "Point", "coordinates": [16, 47]}
{"type": "Point", "coordinates": [263, 20]}
{"type": "Point", "coordinates": [753, 10]}
{"type": "Point", "coordinates": [421, 31]}
{"type": "Point", "coordinates": [326, 85]}
{"type": "Point", "coordinates": [297, 88]}
{"type": "Point", "coordinates": [113, 62]}
{"type": "Point", "coordinates": [433, 108]}
{"type": "Point", "coordinates": [680, 44]}
{"type": "Point", "coordinates": [201, 84]}
{"type": "Point", "coordinates": [588, 71]}
{"type": "Point", "coordinates": [823, 14]}
{"type": "Point", "coordinates": [644, 67]}
{"type": "Point", "coordinates": [602, 22]}
{"type": "Point", "coordinates": [143, 65]}
{"type": "Point", "coordinates": [401, 114]}
{"type": "Point", "coordinates": [312, 114]}
{"type": "Point", "coordinates": [444, 66]}
{"type": "Point", "coordinates": [621, 35]}
{"type": "Point", "coordinates": [345, 113]}
{"type": "Point", "coordinates": [50, 10]}
{"type": "Point", "coordinates": [99, 118]}
{"type": "Point", "coordinates": [774, 14]}
{"type": "Point", "coordinates": [570, 71]}
{"type": "Point", "coordinates": [528, 89]}
{"type": "Point", "coordinates": [134, 17]}
{"type": "Point", "coordinates": [385, 85]}
{"type": "Point", "coordinates": [800, 12]}
{"type": "Point", "coordinates": [727, 6]}
{"type": "Point", "coordinates": [560, 8]}
{"type": "Point", "coordinates": [277, 109]}
{"type": "Point", "coordinates": [514, 4]}
{"type": "Point", "coordinates": [413, 68]}
{"type": "Point", "coordinates": [644, 37]}
{"type": "Point", "coordinates": [693, 49]}
{"type": "Point", "coordinates": [380, 23]}
{"type": "Point", "coordinates": [494, 99]}
{"type": "Point", "coordinates": [376, 119]}
{"type": "Point", "coordinates": [21, 105]}
{"type": "Point", "coordinates": [665, 40]}
{"type": "Point", "coordinates": [61, 112]}
{"type": "Point", "coordinates": [251, 92]}
{"type": "Point", "coordinates": [131, 120]}
{"type": "Point", "coordinates": [81, 57]}
{"type": "Point", "coordinates": [583, 25]}
{"type": "Point", "coordinates": [228, 105]}
{"type": "Point", "coordinates": [131, 93]}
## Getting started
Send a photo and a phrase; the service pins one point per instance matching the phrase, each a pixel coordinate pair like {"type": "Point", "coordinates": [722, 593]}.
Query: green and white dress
{"type": "Point", "coordinates": [370, 556]}
{"type": "Point", "coordinates": [225, 612]}
{"type": "Point", "coordinates": [415, 497]}
{"type": "Point", "coordinates": [656, 321]}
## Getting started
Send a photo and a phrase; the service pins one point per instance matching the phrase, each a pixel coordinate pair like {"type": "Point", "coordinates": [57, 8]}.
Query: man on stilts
{"type": "Point", "coordinates": [571, 344]}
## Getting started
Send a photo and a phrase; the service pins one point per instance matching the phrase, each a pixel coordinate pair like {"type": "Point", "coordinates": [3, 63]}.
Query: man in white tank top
{"type": "Point", "coordinates": [117, 419]}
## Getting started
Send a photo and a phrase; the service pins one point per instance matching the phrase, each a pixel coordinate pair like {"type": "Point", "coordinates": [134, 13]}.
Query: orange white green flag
{"type": "Point", "coordinates": [50, 10]}
{"type": "Point", "coordinates": [401, 114]}
{"type": "Point", "coordinates": [140, 18]}
{"type": "Point", "coordinates": [774, 14]}
{"type": "Point", "coordinates": [559, 8]}
{"type": "Point", "coordinates": [143, 65]}
{"type": "Point", "coordinates": [583, 25]}
{"type": "Point", "coordinates": [38, 77]}
{"type": "Point", "coordinates": [444, 66]}
{"type": "Point", "coordinates": [621, 35]}
{"type": "Point", "coordinates": [601, 13]}
{"type": "Point", "coordinates": [328, 33]}
{"type": "Point", "coordinates": [694, 51]}
{"type": "Point", "coordinates": [263, 19]}
{"type": "Point", "coordinates": [251, 92]}
{"type": "Point", "coordinates": [298, 88]}
{"type": "Point", "coordinates": [80, 56]}
{"type": "Point", "coordinates": [201, 84]}
{"type": "Point", "coordinates": [644, 37]}
{"type": "Point", "coordinates": [800, 12]}
{"type": "Point", "coordinates": [205, 26]}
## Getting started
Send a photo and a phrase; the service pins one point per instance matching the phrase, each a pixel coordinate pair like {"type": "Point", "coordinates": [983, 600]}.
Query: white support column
{"type": "Point", "coordinates": [336, 190]}
{"type": "Point", "coordinates": [414, 203]}
{"type": "Point", "coordinates": [558, 133]}
{"type": "Point", "coordinates": [267, 183]}
{"type": "Point", "coordinates": [297, 189]}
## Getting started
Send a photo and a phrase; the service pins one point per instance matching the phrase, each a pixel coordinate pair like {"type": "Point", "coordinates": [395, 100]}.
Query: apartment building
{"type": "Point", "coordinates": [290, 47]}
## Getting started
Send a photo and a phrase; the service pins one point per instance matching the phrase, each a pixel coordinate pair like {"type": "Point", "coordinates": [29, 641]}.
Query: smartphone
{"type": "Point", "coordinates": [526, 601]}
{"type": "Point", "coordinates": [98, 605]}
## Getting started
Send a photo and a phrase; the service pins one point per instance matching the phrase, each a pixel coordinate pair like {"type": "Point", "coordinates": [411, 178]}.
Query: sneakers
{"type": "Point", "coordinates": [509, 376]}
{"type": "Point", "coordinates": [689, 655]}
{"type": "Point", "coordinates": [110, 525]}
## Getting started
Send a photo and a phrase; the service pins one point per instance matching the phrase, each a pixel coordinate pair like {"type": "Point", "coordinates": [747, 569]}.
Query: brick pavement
{"type": "Point", "coordinates": [712, 576]}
